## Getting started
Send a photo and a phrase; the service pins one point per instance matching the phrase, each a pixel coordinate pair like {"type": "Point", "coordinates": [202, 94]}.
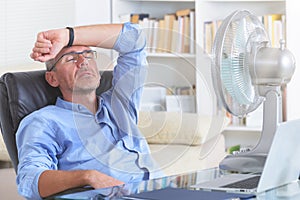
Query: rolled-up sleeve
{"type": "Point", "coordinates": [37, 151]}
{"type": "Point", "coordinates": [131, 69]}
{"type": "Point", "coordinates": [129, 74]}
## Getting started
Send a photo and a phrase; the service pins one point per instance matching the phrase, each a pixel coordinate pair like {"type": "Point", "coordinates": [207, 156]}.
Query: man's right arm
{"type": "Point", "coordinates": [49, 43]}
{"type": "Point", "coordinates": [38, 175]}
{"type": "Point", "coordinates": [54, 181]}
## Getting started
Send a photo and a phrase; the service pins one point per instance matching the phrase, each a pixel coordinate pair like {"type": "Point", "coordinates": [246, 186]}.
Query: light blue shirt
{"type": "Point", "coordinates": [68, 136]}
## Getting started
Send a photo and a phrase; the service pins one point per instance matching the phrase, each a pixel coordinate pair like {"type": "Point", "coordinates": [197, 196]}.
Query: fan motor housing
{"type": "Point", "coordinates": [272, 66]}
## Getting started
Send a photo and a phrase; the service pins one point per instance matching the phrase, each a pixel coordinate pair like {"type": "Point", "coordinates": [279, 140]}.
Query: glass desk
{"type": "Point", "coordinates": [183, 183]}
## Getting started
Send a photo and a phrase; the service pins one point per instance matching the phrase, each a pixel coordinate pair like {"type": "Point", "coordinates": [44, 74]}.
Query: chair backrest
{"type": "Point", "coordinates": [24, 92]}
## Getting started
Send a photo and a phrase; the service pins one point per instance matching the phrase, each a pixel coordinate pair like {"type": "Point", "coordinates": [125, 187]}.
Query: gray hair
{"type": "Point", "coordinates": [50, 63]}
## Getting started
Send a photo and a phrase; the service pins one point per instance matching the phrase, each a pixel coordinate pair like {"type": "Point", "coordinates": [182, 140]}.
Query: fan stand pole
{"type": "Point", "coordinates": [272, 115]}
{"type": "Point", "coordinates": [253, 161]}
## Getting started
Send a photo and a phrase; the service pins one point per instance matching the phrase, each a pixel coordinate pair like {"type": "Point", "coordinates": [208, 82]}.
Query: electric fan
{"type": "Point", "coordinates": [246, 72]}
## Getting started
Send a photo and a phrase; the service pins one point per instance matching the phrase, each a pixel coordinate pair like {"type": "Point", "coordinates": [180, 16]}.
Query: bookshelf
{"type": "Point", "coordinates": [168, 55]}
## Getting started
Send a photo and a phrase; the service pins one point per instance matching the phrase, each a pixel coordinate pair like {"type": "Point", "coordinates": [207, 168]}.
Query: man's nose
{"type": "Point", "coordinates": [81, 61]}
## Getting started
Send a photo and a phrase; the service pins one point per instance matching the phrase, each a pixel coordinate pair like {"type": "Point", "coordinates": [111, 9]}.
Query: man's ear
{"type": "Point", "coordinates": [51, 79]}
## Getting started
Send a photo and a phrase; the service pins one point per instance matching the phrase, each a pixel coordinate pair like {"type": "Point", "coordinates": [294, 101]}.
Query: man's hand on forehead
{"type": "Point", "coordinates": [48, 44]}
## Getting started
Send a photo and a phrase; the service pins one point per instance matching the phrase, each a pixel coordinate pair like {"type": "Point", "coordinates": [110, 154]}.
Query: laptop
{"type": "Point", "coordinates": [282, 165]}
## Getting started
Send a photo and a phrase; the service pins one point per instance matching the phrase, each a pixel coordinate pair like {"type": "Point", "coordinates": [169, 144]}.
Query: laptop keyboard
{"type": "Point", "coordinates": [249, 183]}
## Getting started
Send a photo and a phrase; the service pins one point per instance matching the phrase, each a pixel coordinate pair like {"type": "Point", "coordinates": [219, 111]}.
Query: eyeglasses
{"type": "Point", "coordinates": [72, 57]}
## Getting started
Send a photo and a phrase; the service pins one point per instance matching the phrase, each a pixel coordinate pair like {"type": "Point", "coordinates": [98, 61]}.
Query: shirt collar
{"type": "Point", "coordinates": [77, 107]}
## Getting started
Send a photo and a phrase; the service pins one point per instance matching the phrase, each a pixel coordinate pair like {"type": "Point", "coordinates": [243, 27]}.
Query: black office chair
{"type": "Point", "coordinates": [24, 92]}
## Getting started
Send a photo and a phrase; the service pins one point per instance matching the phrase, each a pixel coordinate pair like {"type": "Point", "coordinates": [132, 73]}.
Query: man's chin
{"type": "Point", "coordinates": [86, 86]}
{"type": "Point", "coordinates": [84, 90]}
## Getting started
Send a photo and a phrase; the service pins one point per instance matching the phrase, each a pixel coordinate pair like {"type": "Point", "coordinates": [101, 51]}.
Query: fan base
{"type": "Point", "coordinates": [246, 163]}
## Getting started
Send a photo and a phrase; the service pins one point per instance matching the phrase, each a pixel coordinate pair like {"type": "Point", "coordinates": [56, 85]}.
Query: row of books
{"type": "Point", "coordinates": [174, 33]}
{"type": "Point", "coordinates": [274, 26]}
{"type": "Point", "coordinates": [181, 90]}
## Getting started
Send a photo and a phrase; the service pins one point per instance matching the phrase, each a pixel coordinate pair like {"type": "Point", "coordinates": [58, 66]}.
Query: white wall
{"type": "Point", "coordinates": [95, 12]}
{"type": "Point", "coordinates": [92, 12]}
{"type": "Point", "coordinates": [21, 21]}
{"type": "Point", "coordinates": [293, 44]}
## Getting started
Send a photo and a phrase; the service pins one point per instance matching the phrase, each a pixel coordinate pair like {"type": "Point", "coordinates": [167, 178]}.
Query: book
{"type": "Point", "coordinates": [161, 36]}
{"type": "Point", "coordinates": [180, 34]}
{"type": "Point", "coordinates": [155, 38]}
{"type": "Point", "coordinates": [168, 28]}
{"type": "Point", "coordinates": [184, 12]}
{"type": "Point", "coordinates": [186, 34]}
{"type": "Point", "coordinates": [150, 33]}
{"type": "Point", "coordinates": [136, 17]}
{"type": "Point", "coordinates": [268, 21]}
{"type": "Point", "coordinates": [175, 37]}
{"type": "Point", "coordinates": [283, 20]}
{"type": "Point", "coordinates": [208, 28]}
{"type": "Point", "coordinates": [277, 33]}
{"type": "Point", "coordinates": [192, 32]}
{"type": "Point", "coordinates": [186, 18]}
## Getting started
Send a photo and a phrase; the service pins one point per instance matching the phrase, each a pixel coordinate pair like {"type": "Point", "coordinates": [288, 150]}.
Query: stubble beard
{"type": "Point", "coordinates": [86, 86]}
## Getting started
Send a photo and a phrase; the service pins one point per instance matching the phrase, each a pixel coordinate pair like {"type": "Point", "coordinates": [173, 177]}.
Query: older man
{"type": "Point", "coordinates": [85, 139]}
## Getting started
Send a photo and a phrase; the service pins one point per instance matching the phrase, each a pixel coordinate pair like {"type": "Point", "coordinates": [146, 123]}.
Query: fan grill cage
{"type": "Point", "coordinates": [231, 67]}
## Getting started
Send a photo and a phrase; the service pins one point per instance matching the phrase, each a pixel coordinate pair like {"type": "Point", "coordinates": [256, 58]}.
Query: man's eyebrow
{"type": "Point", "coordinates": [69, 52]}
{"type": "Point", "coordinates": [76, 52]}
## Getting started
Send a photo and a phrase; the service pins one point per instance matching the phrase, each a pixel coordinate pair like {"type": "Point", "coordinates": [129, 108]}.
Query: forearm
{"type": "Point", "coordinates": [102, 35]}
{"type": "Point", "coordinates": [54, 181]}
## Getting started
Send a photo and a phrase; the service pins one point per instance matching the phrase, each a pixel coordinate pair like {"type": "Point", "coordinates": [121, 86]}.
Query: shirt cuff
{"type": "Point", "coordinates": [28, 186]}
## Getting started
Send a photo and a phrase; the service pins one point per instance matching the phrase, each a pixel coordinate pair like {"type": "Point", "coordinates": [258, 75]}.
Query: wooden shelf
{"type": "Point", "coordinates": [244, 1]}
{"type": "Point", "coordinates": [161, 0]}
{"type": "Point", "coordinates": [171, 55]}
{"type": "Point", "coordinates": [243, 129]}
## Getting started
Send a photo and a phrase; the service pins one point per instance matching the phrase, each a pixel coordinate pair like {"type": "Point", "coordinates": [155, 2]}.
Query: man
{"type": "Point", "coordinates": [85, 140]}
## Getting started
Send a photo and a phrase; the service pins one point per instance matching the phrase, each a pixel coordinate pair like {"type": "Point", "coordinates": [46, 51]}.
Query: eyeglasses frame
{"type": "Point", "coordinates": [73, 52]}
